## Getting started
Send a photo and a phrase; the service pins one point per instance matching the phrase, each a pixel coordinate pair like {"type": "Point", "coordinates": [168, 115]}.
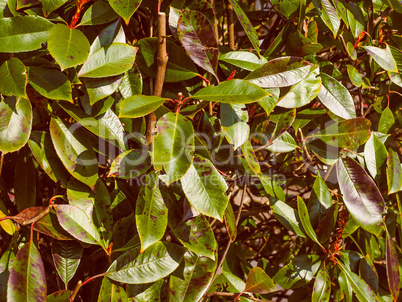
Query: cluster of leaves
{"type": "Point", "coordinates": [273, 171]}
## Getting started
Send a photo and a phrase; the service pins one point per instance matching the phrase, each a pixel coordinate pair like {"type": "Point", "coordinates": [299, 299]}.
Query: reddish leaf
{"type": "Point", "coordinates": [360, 195]}
{"type": "Point", "coordinates": [196, 35]}
{"type": "Point", "coordinates": [27, 281]}
{"type": "Point", "coordinates": [392, 268]}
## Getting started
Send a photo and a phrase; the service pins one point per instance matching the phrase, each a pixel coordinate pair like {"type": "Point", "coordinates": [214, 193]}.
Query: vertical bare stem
{"type": "Point", "coordinates": [161, 60]}
{"type": "Point", "coordinates": [231, 36]}
{"type": "Point", "coordinates": [216, 31]}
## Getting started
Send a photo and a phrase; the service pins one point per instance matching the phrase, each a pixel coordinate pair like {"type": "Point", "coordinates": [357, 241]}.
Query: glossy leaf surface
{"type": "Point", "coordinates": [74, 151]}
{"type": "Point", "coordinates": [192, 278]}
{"type": "Point", "coordinates": [110, 60]}
{"type": "Point", "coordinates": [156, 262]}
{"type": "Point", "coordinates": [360, 195]}
{"type": "Point", "coordinates": [336, 97]}
{"type": "Point", "coordinates": [151, 213]}
{"type": "Point", "coordinates": [205, 188]}
{"type": "Point", "coordinates": [14, 78]}
{"type": "Point", "coordinates": [20, 34]}
{"type": "Point", "coordinates": [68, 46]}
{"type": "Point", "coordinates": [139, 105]}
{"type": "Point", "coordinates": [174, 145]}
{"type": "Point", "coordinates": [281, 72]}
{"type": "Point", "coordinates": [259, 282]}
{"type": "Point", "coordinates": [15, 123]}
{"type": "Point", "coordinates": [234, 92]}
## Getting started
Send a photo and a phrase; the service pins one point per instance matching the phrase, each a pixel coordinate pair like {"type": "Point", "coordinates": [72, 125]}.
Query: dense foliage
{"type": "Point", "coordinates": [200, 150]}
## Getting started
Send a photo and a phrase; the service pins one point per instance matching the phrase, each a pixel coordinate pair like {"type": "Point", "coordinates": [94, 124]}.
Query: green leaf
{"type": "Point", "coordinates": [51, 5]}
{"type": "Point", "coordinates": [393, 268]}
{"type": "Point", "coordinates": [235, 91]}
{"type": "Point", "coordinates": [247, 25]}
{"type": "Point", "coordinates": [112, 291]}
{"type": "Point", "coordinates": [7, 225]}
{"type": "Point", "coordinates": [356, 19]}
{"type": "Point", "coordinates": [387, 120]}
{"type": "Point", "coordinates": [95, 203]}
{"type": "Point", "coordinates": [258, 282]}
{"type": "Point", "coordinates": [205, 188]}
{"type": "Point", "coordinates": [156, 262]}
{"type": "Point", "coordinates": [179, 67]}
{"type": "Point", "coordinates": [286, 8]}
{"type": "Point", "coordinates": [328, 14]}
{"type": "Point", "coordinates": [193, 231]}
{"type": "Point", "coordinates": [15, 123]}
{"type": "Point", "coordinates": [283, 121]}
{"type": "Point", "coordinates": [283, 143]}
{"type": "Point", "coordinates": [336, 97]}
{"type": "Point", "coordinates": [354, 76]}
{"type": "Point", "coordinates": [305, 221]}
{"type": "Point", "coordinates": [190, 281]}
{"type": "Point", "coordinates": [74, 151]}
{"type": "Point", "coordinates": [99, 88]}
{"type": "Point", "coordinates": [196, 34]}
{"type": "Point", "coordinates": [322, 287]}
{"type": "Point", "coordinates": [363, 292]}
{"type": "Point", "coordinates": [303, 92]}
{"type": "Point", "coordinates": [50, 226]}
{"type": "Point", "coordinates": [146, 292]}
{"type": "Point", "coordinates": [66, 258]}
{"type": "Point", "coordinates": [61, 295]}
{"type": "Point", "coordinates": [151, 213]}
{"type": "Point", "coordinates": [130, 164]}
{"type": "Point", "coordinates": [249, 160]}
{"type": "Point", "coordinates": [113, 33]}
{"type": "Point", "coordinates": [51, 83]}
{"type": "Point", "coordinates": [98, 13]}
{"type": "Point", "coordinates": [14, 78]}
{"type": "Point", "coordinates": [375, 155]}
{"type": "Point", "coordinates": [27, 280]}
{"type": "Point", "coordinates": [139, 105]}
{"type": "Point", "coordinates": [234, 118]}
{"type": "Point", "coordinates": [383, 57]}
{"type": "Point", "coordinates": [20, 34]}
{"type": "Point", "coordinates": [174, 145]}
{"type": "Point", "coordinates": [360, 195]}
{"type": "Point", "coordinates": [78, 224]}
{"type": "Point", "coordinates": [68, 46]}
{"type": "Point", "coordinates": [298, 272]}
{"type": "Point", "coordinates": [320, 201]}
{"type": "Point", "coordinates": [280, 72]}
{"type": "Point", "coordinates": [394, 172]}
{"type": "Point", "coordinates": [346, 134]}
{"type": "Point", "coordinates": [288, 217]}
{"type": "Point", "coordinates": [132, 83]}
{"type": "Point", "coordinates": [125, 8]}
{"type": "Point", "coordinates": [107, 127]}
{"type": "Point", "coordinates": [230, 222]}
{"type": "Point", "coordinates": [243, 59]}
{"type": "Point", "coordinates": [110, 60]}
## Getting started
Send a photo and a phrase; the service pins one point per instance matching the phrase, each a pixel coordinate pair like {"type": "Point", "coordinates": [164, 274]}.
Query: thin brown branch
{"type": "Point", "coordinates": [161, 60]}
{"type": "Point", "coordinates": [231, 33]}
{"type": "Point", "coordinates": [216, 31]}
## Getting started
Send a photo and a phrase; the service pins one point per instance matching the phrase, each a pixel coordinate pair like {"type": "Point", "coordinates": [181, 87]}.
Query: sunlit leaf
{"type": "Point", "coordinates": [173, 145]}
{"type": "Point", "coordinates": [15, 123]}
{"type": "Point", "coordinates": [14, 78]}
{"type": "Point", "coordinates": [336, 97]}
{"type": "Point", "coordinates": [258, 282]}
{"type": "Point", "coordinates": [156, 262]}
